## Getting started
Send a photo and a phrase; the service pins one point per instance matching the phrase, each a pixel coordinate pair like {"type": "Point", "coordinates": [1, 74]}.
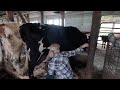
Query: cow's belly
{"type": "Point", "coordinates": [65, 44]}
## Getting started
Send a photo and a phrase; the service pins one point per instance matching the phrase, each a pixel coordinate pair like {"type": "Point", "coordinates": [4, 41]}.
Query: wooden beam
{"type": "Point", "coordinates": [18, 21]}
{"type": "Point", "coordinates": [96, 19]}
{"type": "Point", "coordinates": [42, 17]}
{"type": "Point", "coordinates": [62, 17]}
{"type": "Point", "coordinates": [27, 18]}
{"type": "Point", "coordinates": [21, 16]}
{"type": "Point", "coordinates": [10, 16]}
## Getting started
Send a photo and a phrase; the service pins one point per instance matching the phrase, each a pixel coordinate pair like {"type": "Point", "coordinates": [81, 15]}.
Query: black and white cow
{"type": "Point", "coordinates": [38, 37]}
{"type": "Point", "coordinates": [104, 41]}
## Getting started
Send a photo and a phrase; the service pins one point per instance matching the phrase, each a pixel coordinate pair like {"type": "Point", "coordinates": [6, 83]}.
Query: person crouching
{"type": "Point", "coordinates": [58, 62]}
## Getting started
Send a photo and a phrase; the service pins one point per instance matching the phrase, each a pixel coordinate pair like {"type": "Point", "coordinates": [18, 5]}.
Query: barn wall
{"type": "Point", "coordinates": [51, 17]}
{"type": "Point", "coordinates": [81, 20]}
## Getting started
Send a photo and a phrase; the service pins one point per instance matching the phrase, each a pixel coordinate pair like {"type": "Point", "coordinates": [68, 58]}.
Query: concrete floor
{"type": "Point", "coordinates": [99, 62]}
{"type": "Point", "coordinates": [99, 57]}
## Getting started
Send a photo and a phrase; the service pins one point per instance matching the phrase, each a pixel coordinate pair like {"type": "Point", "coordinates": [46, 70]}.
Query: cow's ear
{"type": "Point", "coordinates": [2, 32]}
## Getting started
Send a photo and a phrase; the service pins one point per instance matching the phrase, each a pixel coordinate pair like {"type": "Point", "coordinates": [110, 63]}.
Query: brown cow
{"type": "Point", "coordinates": [12, 44]}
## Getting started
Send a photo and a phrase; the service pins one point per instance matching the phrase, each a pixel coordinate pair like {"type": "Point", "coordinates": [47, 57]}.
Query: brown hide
{"type": "Point", "coordinates": [12, 44]}
{"type": "Point", "coordinates": [2, 29]}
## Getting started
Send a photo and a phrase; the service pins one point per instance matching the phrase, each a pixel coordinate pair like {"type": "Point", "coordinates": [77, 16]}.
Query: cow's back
{"type": "Point", "coordinates": [75, 37]}
{"type": "Point", "coordinates": [69, 38]}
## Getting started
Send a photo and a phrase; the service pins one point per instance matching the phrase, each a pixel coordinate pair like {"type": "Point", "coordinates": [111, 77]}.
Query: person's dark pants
{"type": "Point", "coordinates": [50, 77]}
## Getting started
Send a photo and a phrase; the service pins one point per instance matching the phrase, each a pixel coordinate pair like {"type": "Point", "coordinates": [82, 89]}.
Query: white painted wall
{"type": "Point", "coordinates": [81, 20]}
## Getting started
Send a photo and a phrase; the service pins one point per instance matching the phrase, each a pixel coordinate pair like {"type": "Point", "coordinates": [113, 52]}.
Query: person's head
{"type": "Point", "coordinates": [53, 48]}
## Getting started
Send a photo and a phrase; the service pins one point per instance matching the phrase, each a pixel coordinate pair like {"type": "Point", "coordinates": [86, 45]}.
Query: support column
{"type": "Point", "coordinates": [42, 17]}
{"type": "Point", "coordinates": [10, 16]}
{"type": "Point", "coordinates": [21, 16]}
{"type": "Point", "coordinates": [27, 18]}
{"type": "Point", "coordinates": [96, 20]}
{"type": "Point", "coordinates": [62, 17]}
{"type": "Point", "coordinates": [18, 21]}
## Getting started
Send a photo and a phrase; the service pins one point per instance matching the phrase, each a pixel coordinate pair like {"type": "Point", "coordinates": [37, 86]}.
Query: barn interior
{"type": "Point", "coordinates": [95, 24]}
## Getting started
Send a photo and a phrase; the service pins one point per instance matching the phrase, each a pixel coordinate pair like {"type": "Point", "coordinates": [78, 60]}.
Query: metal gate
{"type": "Point", "coordinates": [111, 69]}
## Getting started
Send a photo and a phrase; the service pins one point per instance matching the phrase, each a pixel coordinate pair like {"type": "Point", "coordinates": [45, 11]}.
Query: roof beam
{"type": "Point", "coordinates": [21, 16]}
{"type": "Point", "coordinates": [27, 17]}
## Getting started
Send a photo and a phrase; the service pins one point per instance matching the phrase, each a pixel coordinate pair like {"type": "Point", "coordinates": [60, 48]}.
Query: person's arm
{"type": "Point", "coordinates": [74, 52]}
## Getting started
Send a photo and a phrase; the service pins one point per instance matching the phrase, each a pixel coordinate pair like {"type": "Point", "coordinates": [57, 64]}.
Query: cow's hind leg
{"type": "Point", "coordinates": [31, 66]}
{"type": "Point", "coordinates": [34, 55]}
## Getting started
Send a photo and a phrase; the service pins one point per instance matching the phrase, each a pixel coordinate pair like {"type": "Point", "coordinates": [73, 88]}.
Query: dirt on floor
{"type": "Point", "coordinates": [99, 62]}
{"type": "Point", "coordinates": [5, 75]}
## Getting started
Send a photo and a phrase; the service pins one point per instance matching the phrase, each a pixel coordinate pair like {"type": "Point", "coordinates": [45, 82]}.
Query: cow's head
{"type": "Point", "coordinates": [31, 31]}
{"type": "Point", "coordinates": [11, 40]}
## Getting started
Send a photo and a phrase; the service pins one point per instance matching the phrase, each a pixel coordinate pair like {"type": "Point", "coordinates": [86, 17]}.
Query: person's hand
{"type": "Point", "coordinates": [50, 54]}
{"type": "Point", "coordinates": [85, 45]}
